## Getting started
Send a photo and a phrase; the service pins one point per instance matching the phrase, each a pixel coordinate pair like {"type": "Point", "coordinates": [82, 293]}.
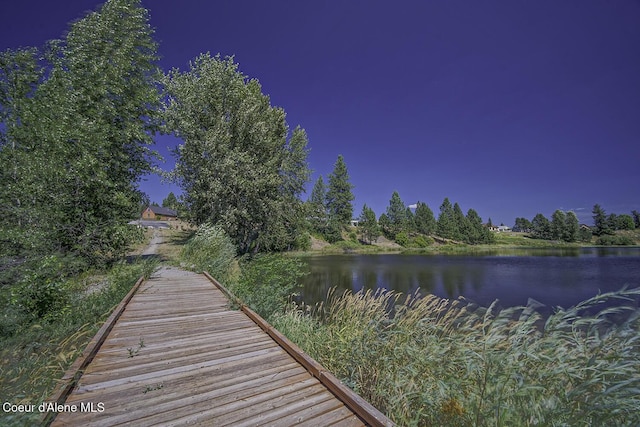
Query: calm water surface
{"type": "Point", "coordinates": [553, 277]}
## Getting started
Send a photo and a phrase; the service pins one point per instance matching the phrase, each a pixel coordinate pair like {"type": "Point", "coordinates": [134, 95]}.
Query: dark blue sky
{"type": "Point", "coordinates": [509, 107]}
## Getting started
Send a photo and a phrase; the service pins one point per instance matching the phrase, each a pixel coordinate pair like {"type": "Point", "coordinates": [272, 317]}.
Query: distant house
{"type": "Point", "coordinates": [159, 213]}
{"type": "Point", "coordinates": [498, 229]}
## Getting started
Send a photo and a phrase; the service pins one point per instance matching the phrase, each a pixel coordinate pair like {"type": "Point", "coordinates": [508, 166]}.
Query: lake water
{"type": "Point", "coordinates": [559, 277]}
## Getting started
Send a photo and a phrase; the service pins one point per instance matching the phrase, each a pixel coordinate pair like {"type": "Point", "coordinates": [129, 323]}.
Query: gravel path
{"type": "Point", "coordinates": [156, 240]}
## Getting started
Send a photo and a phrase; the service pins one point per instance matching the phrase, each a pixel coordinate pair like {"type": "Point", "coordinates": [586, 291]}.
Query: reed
{"type": "Point", "coordinates": [432, 361]}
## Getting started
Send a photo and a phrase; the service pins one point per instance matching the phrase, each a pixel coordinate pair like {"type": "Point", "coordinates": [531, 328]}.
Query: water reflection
{"type": "Point", "coordinates": [556, 277]}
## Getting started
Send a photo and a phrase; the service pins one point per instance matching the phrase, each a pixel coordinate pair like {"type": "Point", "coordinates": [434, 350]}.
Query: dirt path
{"type": "Point", "coordinates": [156, 240]}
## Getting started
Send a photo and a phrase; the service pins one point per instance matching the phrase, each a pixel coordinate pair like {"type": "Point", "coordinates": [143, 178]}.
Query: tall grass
{"type": "Point", "coordinates": [35, 352]}
{"type": "Point", "coordinates": [211, 250]}
{"type": "Point", "coordinates": [433, 361]}
{"type": "Point", "coordinates": [267, 282]}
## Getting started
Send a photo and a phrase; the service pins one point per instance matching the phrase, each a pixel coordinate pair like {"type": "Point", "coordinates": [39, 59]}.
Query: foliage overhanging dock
{"type": "Point", "coordinates": [174, 353]}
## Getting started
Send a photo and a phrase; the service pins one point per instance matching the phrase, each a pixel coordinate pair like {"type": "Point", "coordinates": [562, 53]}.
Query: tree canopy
{"type": "Point", "coordinates": [77, 120]}
{"type": "Point", "coordinates": [239, 166]}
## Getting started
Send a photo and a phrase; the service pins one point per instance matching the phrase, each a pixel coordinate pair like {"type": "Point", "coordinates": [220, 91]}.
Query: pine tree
{"type": "Point", "coordinates": [447, 226]}
{"type": "Point", "coordinates": [170, 202]}
{"type": "Point", "coordinates": [317, 208]}
{"type": "Point", "coordinates": [600, 221]}
{"type": "Point", "coordinates": [385, 225]}
{"type": "Point", "coordinates": [339, 195]}
{"type": "Point", "coordinates": [424, 219]}
{"type": "Point", "coordinates": [463, 227]}
{"type": "Point", "coordinates": [397, 215]}
{"type": "Point", "coordinates": [479, 233]}
{"type": "Point", "coordinates": [368, 224]}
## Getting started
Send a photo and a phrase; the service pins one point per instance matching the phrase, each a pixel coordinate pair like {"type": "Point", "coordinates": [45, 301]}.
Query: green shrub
{"type": "Point", "coordinates": [211, 250]}
{"type": "Point", "coordinates": [609, 240]}
{"type": "Point", "coordinates": [267, 282]}
{"type": "Point", "coordinates": [422, 242]}
{"type": "Point", "coordinates": [402, 239]}
{"type": "Point", "coordinates": [303, 241]}
{"type": "Point", "coordinates": [347, 245]}
{"type": "Point", "coordinates": [41, 291]}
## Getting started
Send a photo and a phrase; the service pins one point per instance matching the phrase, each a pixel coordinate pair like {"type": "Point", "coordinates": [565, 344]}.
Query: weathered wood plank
{"type": "Point", "coordinates": [178, 355]}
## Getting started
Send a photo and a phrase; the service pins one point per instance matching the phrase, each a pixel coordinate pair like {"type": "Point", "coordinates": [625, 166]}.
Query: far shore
{"type": "Point", "coordinates": [504, 241]}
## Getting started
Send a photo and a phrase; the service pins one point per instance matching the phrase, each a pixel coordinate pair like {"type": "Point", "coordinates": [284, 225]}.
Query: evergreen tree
{"type": "Point", "coordinates": [317, 209]}
{"type": "Point", "coordinates": [339, 195]}
{"type": "Point", "coordinates": [368, 224]}
{"type": "Point", "coordinates": [571, 228]}
{"type": "Point", "coordinates": [558, 222]}
{"type": "Point", "coordinates": [410, 223]}
{"type": "Point", "coordinates": [479, 233]}
{"type": "Point", "coordinates": [397, 215]}
{"type": "Point", "coordinates": [446, 225]}
{"type": "Point", "coordinates": [385, 225]}
{"type": "Point", "coordinates": [424, 219]}
{"type": "Point", "coordinates": [601, 225]}
{"type": "Point", "coordinates": [171, 202]}
{"type": "Point", "coordinates": [463, 227]}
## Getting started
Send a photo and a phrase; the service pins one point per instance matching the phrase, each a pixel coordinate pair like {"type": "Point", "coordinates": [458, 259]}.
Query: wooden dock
{"type": "Point", "coordinates": [174, 353]}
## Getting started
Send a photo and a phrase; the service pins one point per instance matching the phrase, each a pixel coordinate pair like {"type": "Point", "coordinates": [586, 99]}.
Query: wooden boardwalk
{"type": "Point", "coordinates": [174, 353]}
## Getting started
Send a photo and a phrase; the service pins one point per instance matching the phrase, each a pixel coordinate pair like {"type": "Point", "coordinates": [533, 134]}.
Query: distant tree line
{"type": "Point", "coordinates": [564, 226]}
{"type": "Point", "coordinates": [416, 228]}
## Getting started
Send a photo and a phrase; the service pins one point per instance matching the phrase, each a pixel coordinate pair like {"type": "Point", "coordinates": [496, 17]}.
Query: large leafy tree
{"type": "Point", "coordinates": [522, 225]}
{"type": "Point", "coordinates": [237, 166]}
{"type": "Point", "coordinates": [77, 132]}
{"type": "Point", "coordinates": [540, 227]}
{"type": "Point", "coordinates": [558, 224]}
{"type": "Point", "coordinates": [625, 222]}
{"type": "Point", "coordinates": [571, 227]}
{"type": "Point", "coordinates": [636, 218]}
{"type": "Point", "coordinates": [339, 195]}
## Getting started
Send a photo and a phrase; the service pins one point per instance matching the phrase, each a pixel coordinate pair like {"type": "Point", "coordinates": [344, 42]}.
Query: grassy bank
{"type": "Point", "coordinates": [35, 352]}
{"type": "Point", "coordinates": [503, 241]}
{"type": "Point", "coordinates": [437, 362]}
